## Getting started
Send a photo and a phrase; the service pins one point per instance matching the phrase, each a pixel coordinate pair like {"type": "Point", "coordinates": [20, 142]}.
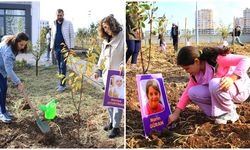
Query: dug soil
{"type": "Point", "coordinates": [194, 129]}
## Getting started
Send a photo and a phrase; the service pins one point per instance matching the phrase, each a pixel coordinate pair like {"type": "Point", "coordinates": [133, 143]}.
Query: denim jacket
{"type": "Point", "coordinates": [7, 59]}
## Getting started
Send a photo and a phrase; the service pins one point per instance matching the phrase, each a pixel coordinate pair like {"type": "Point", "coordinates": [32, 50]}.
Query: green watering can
{"type": "Point", "coordinates": [49, 109]}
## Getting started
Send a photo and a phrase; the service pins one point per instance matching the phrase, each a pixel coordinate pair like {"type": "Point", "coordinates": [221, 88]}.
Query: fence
{"type": "Point", "coordinates": [245, 38]}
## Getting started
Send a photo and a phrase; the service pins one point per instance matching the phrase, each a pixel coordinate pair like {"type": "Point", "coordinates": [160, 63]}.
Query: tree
{"type": "Point", "coordinates": [39, 49]}
{"type": "Point", "coordinates": [149, 10]}
{"type": "Point", "coordinates": [84, 36]}
{"type": "Point", "coordinates": [93, 30]}
{"type": "Point", "coordinates": [224, 31]}
{"type": "Point", "coordinates": [144, 11]}
{"type": "Point", "coordinates": [188, 35]}
{"type": "Point", "coordinates": [77, 75]}
{"type": "Point", "coordinates": [81, 36]}
{"type": "Point", "coordinates": [162, 25]}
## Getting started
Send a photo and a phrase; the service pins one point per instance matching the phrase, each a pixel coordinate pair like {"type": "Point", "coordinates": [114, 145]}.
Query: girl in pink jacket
{"type": "Point", "coordinates": [217, 81]}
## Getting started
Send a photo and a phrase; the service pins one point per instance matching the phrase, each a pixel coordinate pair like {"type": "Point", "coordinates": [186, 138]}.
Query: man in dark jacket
{"type": "Point", "coordinates": [175, 36]}
{"type": "Point", "coordinates": [236, 35]}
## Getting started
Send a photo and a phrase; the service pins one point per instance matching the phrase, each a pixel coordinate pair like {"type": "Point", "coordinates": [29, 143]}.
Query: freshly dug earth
{"type": "Point", "coordinates": [194, 129]}
{"type": "Point", "coordinates": [23, 132]}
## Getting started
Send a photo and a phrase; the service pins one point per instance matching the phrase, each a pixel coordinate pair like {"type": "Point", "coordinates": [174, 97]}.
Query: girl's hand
{"type": "Point", "coordinates": [96, 75]}
{"type": "Point", "coordinates": [227, 82]}
{"type": "Point", "coordinates": [121, 70]}
{"type": "Point", "coordinates": [20, 87]}
{"type": "Point", "coordinates": [175, 116]}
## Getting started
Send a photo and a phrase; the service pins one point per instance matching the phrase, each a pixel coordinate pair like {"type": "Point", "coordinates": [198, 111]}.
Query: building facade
{"type": "Point", "coordinates": [246, 18]}
{"type": "Point", "coordinates": [205, 22]}
{"type": "Point", "coordinates": [239, 21]}
{"type": "Point", "coordinates": [20, 17]}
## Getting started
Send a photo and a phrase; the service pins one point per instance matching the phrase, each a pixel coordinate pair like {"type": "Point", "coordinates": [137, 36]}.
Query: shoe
{"type": "Point", "coordinates": [108, 127]}
{"type": "Point", "coordinates": [10, 115]}
{"type": "Point", "coordinates": [114, 132]}
{"type": "Point", "coordinates": [61, 89]}
{"type": "Point", "coordinates": [231, 116]}
{"type": "Point", "coordinates": [4, 118]}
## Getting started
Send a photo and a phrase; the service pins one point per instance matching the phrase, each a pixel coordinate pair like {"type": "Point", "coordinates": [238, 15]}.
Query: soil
{"type": "Point", "coordinates": [23, 132]}
{"type": "Point", "coordinates": [194, 129]}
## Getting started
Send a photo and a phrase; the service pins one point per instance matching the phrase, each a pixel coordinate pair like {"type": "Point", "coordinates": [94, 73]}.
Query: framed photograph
{"type": "Point", "coordinates": [114, 91]}
{"type": "Point", "coordinates": [154, 104]}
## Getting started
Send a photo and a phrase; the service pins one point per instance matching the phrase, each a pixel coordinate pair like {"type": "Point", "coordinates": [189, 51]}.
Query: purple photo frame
{"type": "Point", "coordinates": [155, 121]}
{"type": "Point", "coordinates": [111, 101]}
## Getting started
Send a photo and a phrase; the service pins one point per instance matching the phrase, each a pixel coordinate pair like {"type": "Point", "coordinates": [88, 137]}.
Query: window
{"type": "Point", "coordinates": [15, 17]}
{"type": "Point", "coordinates": [14, 24]}
{"type": "Point", "coordinates": [1, 26]}
{"type": "Point", "coordinates": [11, 21]}
{"type": "Point", "coordinates": [1, 11]}
{"type": "Point", "coordinates": [15, 12]}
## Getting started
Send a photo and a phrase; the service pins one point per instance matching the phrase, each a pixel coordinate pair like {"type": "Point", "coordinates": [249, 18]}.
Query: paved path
{"type": "Point", "coordinates": [31, 59]}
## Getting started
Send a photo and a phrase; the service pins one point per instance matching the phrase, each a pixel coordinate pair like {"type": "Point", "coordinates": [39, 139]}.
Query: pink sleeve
{"type": "Point", "coordinates": [241, 62]}
{"type": "Point", "coordinates": [184, 100]}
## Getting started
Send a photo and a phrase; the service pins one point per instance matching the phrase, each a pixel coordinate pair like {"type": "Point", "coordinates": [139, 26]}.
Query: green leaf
{"type": "Point", "coordinates": [154, 32]}
{"type": "Point", "coordinates": [71, 74]}
{"type": "Point", "coordinates": [155, 9]}
{"type": "Point", "coordinates": [60, 76]}
{"type": "Point", "coordinates": [142, 24]}
{"type": "Point", "coordinates": [141, 10]}
{"type": "Point", "coordinates": [145, 17]}
{"type": "Point", "coordinates": [146, 6]}
{"type": "Point", "coordinates": [63, 81]}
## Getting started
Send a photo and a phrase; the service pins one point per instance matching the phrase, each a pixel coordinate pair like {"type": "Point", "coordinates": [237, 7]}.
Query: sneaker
{"type": "Point", "coordinates": [108, 127]}
{"type": "Point", "coordinates": [61, 89]}
{"type": "Point", "coordinates": [232, 116]}
{"type": "Point", "coordinates": [4, 118]}
{"type": "Point", "coordinates": [10, 115]}
{"type": "Point", "coordinates": [114, 132]}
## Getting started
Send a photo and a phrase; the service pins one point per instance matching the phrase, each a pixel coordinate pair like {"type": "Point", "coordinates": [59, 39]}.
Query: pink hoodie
{"type": "Point", "coordinates": [229, 64]}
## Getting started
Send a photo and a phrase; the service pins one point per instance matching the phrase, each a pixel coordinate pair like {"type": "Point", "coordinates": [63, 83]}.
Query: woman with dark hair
{"type": "Point", "coordinates": [217, 80]}
{"type": "Point", "coordinates": [112, 57]}
{"type": "Point", "coordinates": [9, 49]}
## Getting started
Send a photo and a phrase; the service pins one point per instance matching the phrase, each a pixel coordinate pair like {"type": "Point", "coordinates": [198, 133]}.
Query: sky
{"type": "Point", "coordinates": [82, 12]}
{"type": "Point", "coordinates": [223, 10]}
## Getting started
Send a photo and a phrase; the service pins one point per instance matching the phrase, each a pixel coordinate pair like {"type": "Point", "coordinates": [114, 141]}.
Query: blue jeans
{"type": "Point", "coordinates": [237, 39]}
{"type": "Point", "coordinates": [115, 116]}
{"type": "Point", "coordinates": [48, 51]}
{"type": "Point", "coordinates": [61, 64]}
{"type": "Point", "coordinates": [133, 50]}
{"type": "Point", "coordinates": [3, 92]}
{"type": "Point", "coordinates": [175, 43]}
